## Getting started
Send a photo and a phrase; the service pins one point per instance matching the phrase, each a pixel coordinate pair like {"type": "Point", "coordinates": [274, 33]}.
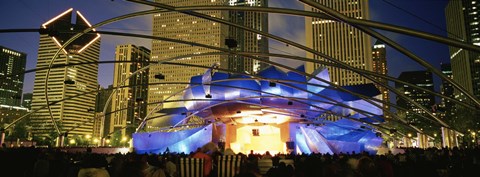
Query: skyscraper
{"type": "Point", "coordinates": [27, 100]}
{"type": "Point", "coordinates": [129, 103]}
{"type": "Point", "coordinates": [379, 56]}
{"type": "Point", "coordinates": [80, 81]}
{"type": "Point", "coordinates": [248, 41]}
{"type": "Point", "coordinates": [421, 79]}
{"type": "Point", "coordinates": [447, 107]}
{"type": "Point", "coordinates": [340, 41]}
{"type": "Point", "coordinates": [463, 24]}
{"type": "Point", "coordinates": [184, 27]}
{"type": "Point", "coordinates": [101, 126]}
{"type": "Point", "coordinates": [11, 62]}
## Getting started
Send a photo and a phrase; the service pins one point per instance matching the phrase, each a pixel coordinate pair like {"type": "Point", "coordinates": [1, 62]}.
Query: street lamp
{"type": "Point", "coordinates": [72, 142]}
{"type": "Point", "coordinates": [88, 137]}
{"type": "Point", "coordinates": [124, 139]}
{"type": "Point", "coordinates": [474, 138]}
{"type": "Point", "coordinates": [95, 141]}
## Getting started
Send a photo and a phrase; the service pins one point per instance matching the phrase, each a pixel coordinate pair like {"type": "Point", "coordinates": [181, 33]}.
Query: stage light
{"type": "Point", "coordinates": [272, 84]}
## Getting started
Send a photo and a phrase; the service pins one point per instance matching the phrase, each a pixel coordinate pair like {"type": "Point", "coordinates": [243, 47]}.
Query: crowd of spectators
{"type": "Point", "coordinates": [51, 162]}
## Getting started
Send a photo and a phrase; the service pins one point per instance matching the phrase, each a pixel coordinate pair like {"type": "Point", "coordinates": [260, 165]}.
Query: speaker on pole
{"type": "Point", "coordinates": [290, 145]}
{"type": "Point", "coordinates": [221, 145]}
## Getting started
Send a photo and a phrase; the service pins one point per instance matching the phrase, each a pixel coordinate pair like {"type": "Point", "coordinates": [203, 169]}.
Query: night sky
{"type": "Point", "coordinates": [32, 13]}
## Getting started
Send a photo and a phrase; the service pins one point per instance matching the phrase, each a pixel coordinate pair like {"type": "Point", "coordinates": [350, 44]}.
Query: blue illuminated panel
{"type": "Point", "coordinates": [241, 97]}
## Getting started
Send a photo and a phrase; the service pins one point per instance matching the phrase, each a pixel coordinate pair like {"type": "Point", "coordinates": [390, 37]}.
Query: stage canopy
{"type": "Point", "coordinates": [327, 118]}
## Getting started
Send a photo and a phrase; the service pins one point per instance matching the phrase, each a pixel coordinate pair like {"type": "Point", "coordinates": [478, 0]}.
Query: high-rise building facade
{"type": "Point", "coordinates": [12, 66]}
{"type": "Point", "coordinates": [101, 126]}
{"type": "Point", "coordinates": [248, 41]}
{"type": "Point", "coordinates": [184, 27]}
{"type": "Point", "coordinates": [379, 57]}
{"type": "Point", "coordinates": [340, 41]}
{"type": "Point", "coordinates": [462, 23]}
{"type": "Point", "coordinates": [71, 88]}
{"type": "Point", "coordinates": [27, 100]}
{"type": "Point", "coordinates": [129, 103]}
{"type": "Point", "coordinates": [421, 79]}
{"type": "Point", "coordinates": [447, 107]}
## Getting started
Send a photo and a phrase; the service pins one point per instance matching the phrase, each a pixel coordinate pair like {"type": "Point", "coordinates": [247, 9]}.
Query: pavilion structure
{"type": "Point", "coordinates": [274, 111]}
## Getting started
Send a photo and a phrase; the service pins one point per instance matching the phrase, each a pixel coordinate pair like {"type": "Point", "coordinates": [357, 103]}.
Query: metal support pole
{"type": "Point", "coordinates": [2, 138]}
{"type": "Point", "coordinates": [102, 142]}
{"type": "Point", "coordinates": [422, 140]}
{"type": "Point", "coordinates": [447, 140]}
{"type": "Point", "coordinates": [61, 140]}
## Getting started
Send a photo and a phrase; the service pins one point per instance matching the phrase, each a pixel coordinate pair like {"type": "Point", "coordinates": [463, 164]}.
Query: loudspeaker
{"type": "Point", "coordinates": [221, 145]}
{"type": "Point", "coordinates": [290, 145]}
{"type": "Point", "coordinates": [255, 132]}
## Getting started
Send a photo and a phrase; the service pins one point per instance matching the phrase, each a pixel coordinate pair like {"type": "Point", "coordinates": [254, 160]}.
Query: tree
{"type": "Point", "coordinates": [116, 138]}
{"type": "Point", "coordinates": [19, 130]}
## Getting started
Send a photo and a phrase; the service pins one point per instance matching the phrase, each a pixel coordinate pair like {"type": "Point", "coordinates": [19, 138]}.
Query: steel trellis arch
{"type": "Point", "coordinates": [92, 27]}
{"type": "Point", "coordinates": [199, 15]}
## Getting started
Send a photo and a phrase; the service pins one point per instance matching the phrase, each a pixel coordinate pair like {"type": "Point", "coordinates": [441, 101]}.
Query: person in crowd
{"type": "Point", "coordinates": [431, 162]}
{"type": "Point", "coordinates": [155, 167]}
{"type": "Point", "coordinates": [202, 153]}
{"type": "Point", "coordinates": [93, 165]}
{"type": "Point", "coordinates": [170, 167]}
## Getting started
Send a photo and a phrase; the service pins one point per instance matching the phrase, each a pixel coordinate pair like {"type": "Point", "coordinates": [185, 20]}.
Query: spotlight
{"type": "Point", "coordinates": [308, 125]}
{"type": "Point", "coordinates": [272, 84]}
{"type": "Point", "coordinates": [238, 112]}
{"type": "Point", "coordinates": [208, 96]}
{"type": "Point", "coordinates": [290, 103]}
{"type": "Point", "coordinates": [256, 120]}
{"type": "Point", "coordinates": [363, 127]}
{"type": "Point", "coordinates": [302, 116]}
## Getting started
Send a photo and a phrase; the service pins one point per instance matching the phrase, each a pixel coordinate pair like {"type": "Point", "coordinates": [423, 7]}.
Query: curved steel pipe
{"type": "Point", "coordinates": [92, 27]}
{"type": "Point", "coordinates": [203, 16]}
{"type": "Point", "coordinates": [396, 46]}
